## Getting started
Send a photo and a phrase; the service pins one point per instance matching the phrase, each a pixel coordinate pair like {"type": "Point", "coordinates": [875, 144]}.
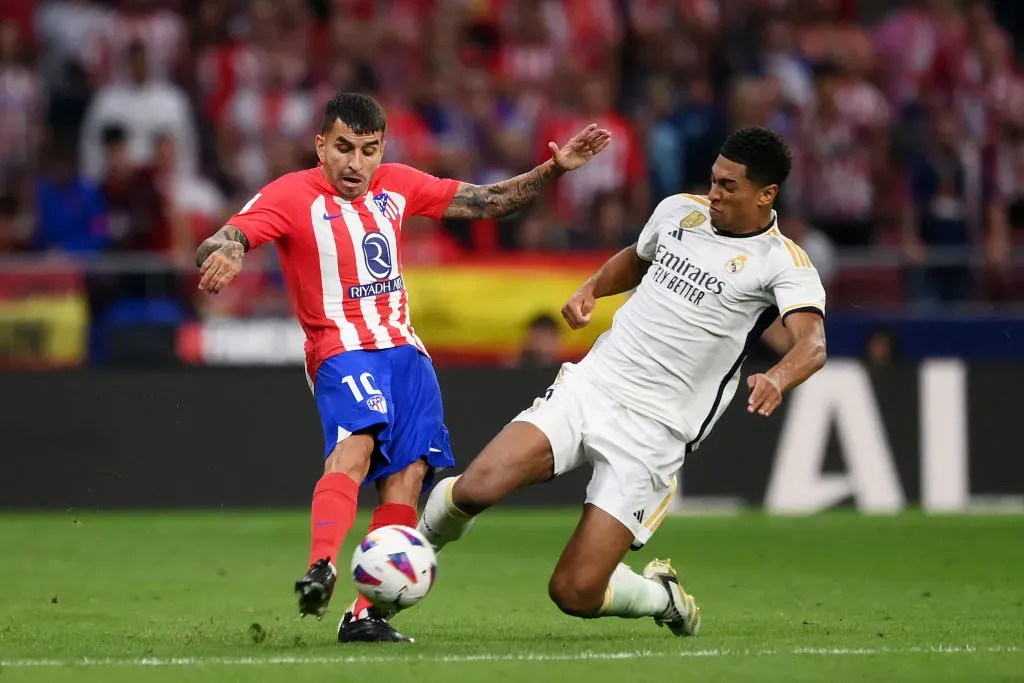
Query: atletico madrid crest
{"type": "Point", "coordinates": [386, 205]}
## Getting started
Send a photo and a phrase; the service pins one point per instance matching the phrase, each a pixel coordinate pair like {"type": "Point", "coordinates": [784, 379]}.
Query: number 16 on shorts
{"type": "Point", "coordinates": [372, 395]}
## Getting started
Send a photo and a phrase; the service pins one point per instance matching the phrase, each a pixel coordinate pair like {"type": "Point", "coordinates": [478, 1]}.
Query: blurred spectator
{"type": "Point", "coordinates": [609, 227]}
{"type": "Point", "coordinates": [150, 23]}
{"type": "Point", "coordinates": [223, 61]}
{"type": "Point", "coordinates": [20, 106]}
{"type": "Point", "coordinates": [14, 232]}
{"type": "Point", "coordinates": [684, 140]}
{"type": "Point", "coordinates": [908, 42]}
{"type": "Point", "coordinates": [754, 101]}
{"type": "Point", "coordinates": [145, 109]}
{"type": "Point", "coordinates": [782, 60]}
{"type": "Point", "coordinates": [950, 199]}
{"type": "Point", "coordinates": [71, 215]}
{"type": "Point", "coordinates": [137, 214]}
{"type": "Point", "coordinates": [70, 35]}
{"type": "Point", "coordinates": [476, 122]}
{"type": "Point", "coordinates": [840, 152]}
{"type": "Point", "coordinates": [195, 207]}
{"type": "Point", "coordinates": [828, 34]}
{"type": "Point", "coordinates": [620, 168]}
{"type": "Point", "coordinates": [880, 349]}
{"type": "Point", "coordinates": [270, 105]}
{"type": "Point", "coordinates": [528, 57]}
{"type": "Point", "coordinates": [543, 345]}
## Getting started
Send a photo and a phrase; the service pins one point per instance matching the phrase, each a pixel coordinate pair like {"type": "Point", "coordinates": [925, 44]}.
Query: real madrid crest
{"type": "Point", "coordinates": [693, 220]}
{"type": "Point", "coordinates": [735, 264]}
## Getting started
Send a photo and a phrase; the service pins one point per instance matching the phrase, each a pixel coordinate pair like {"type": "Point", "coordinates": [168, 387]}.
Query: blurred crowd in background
{"type": "Point", "coordinates": [135, 127]}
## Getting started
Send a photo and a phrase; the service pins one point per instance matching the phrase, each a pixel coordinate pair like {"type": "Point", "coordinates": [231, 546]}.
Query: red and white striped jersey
{"type": "Point", "coordinates": [342, 260]}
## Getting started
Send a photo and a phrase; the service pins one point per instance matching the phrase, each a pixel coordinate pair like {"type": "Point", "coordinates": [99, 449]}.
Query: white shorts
{"type": "Point", "coordinates": [635, 457]}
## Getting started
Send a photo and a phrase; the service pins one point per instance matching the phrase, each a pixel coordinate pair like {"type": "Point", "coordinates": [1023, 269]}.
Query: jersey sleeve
{"type": "Point", "coordinates": [798, 288]}
{"type": "Point", "coordinates": [426, 195]}
{"type": "Point", "coordinates": [265, 217]}
{"type": "Point", "coordinates": [647, 243]}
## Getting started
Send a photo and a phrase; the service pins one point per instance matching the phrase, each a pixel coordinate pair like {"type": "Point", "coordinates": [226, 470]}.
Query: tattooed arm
{"type": "Point", "coordinates": [220, 258]}
{"type": "Point", "coordinates": [508, 196]}
{"type": "Point", "coordinates": [504, 198]}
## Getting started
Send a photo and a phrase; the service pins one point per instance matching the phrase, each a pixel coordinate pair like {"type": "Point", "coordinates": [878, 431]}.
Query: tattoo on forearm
{"type": "Point", "coordinates": [229, 236]}
{"type": "Point", "coordinates": [504, 198]}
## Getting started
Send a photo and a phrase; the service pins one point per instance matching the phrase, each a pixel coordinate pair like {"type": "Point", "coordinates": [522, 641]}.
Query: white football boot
{"type": "Point", "coordinates": [682, 616]}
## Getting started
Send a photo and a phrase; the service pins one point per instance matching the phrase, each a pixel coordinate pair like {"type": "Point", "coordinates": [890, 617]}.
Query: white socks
{"type": "Point", "coordinates": [628, 595]}
{"type": "Point", "coordinates": [442, 521]}
{"type": "Point", "coordinates": [631, 596]}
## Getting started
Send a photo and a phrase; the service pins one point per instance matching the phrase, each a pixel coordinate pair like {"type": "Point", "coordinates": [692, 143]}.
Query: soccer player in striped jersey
{"type": "Point", "coordinates": [337, 229]}
{"type": "Point", "coordinates": [711, 274]}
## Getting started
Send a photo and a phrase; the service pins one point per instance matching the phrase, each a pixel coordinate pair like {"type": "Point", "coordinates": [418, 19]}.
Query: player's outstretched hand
{"type": "Point", "coordinates": [221, 267]}
{"type": "Point", "coordinates": [765, 394]}
{"type": "Point", "coordinates": [578, 308]}
{"type": "Point", "coordinates": [581, 148]}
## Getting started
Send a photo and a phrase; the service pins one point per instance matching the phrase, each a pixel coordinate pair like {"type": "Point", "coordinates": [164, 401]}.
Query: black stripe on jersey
{"type": "Point", "coordinates": [803, 309]}
{"type": "Point", "coordinates": [763, 322]}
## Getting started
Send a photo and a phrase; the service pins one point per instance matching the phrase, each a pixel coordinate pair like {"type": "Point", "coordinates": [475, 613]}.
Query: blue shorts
{"type": "Point", "coordinates": [394, 394]}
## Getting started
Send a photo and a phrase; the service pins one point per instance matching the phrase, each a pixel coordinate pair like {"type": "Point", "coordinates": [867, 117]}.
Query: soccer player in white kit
{"type": "Point", "coordinates": [711, 274]}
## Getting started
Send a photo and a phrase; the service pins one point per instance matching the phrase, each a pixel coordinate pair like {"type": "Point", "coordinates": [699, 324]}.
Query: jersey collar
{"type": "Point", "coordinates": [771, 224]}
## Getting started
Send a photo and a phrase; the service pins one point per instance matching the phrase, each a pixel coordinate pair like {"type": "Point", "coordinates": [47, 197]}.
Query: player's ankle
{"type": "Point", "coordinates": [455, 506]}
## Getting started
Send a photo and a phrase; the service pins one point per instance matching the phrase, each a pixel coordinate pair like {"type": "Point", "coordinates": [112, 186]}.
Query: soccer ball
{"type": "Point", "coordinates": [394, 567]}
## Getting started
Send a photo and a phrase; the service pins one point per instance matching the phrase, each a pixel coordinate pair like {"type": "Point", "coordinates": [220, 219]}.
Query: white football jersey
{"type": "Point", "coordinates": [675, 347]}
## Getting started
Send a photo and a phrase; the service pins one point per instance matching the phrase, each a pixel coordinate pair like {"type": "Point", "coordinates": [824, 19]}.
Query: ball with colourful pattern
{"type": "Point", "coordinates": [394, 567]}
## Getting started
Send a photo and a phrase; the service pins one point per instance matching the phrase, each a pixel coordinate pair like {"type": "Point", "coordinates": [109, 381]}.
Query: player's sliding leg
{"type": "Point", "coordinates": [591, 581]}
{"type": "Point", "coordinates": [364, 622]}
{"type": "Point", "coordinates": [518, 456]}
{"type": "Point", "coordinates": [333, 511]}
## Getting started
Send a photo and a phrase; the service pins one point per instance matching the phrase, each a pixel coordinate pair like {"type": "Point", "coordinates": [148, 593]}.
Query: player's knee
{"type": "Point", "coordinates": [403, 488]}
{"type": "Point", "coordinates": [576, 596]}
{"type": "Point", "coordinates": [351, 456]}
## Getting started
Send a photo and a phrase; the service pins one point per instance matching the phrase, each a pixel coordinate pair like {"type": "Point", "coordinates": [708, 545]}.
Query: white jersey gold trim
{"type": "Point", "coordinates": [676, 346]}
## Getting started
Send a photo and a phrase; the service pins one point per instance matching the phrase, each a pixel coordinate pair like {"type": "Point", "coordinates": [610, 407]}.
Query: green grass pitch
{"type": "Point", "coordinates": [207, 597]}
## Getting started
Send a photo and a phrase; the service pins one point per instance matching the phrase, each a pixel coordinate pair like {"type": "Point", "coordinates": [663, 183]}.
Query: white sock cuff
{"type": "Point", "coordinates": [450, 508]}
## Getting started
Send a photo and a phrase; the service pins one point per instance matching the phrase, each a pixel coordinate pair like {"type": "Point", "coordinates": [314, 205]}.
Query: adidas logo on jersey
{"type": "Point", "coordinates": [639, 515]}
{"type": "Point", "coordinates": [692, 220]}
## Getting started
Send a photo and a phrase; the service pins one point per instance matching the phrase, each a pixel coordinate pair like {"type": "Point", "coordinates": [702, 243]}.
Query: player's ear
{"type": "Point", "coordinates": [767, 196]}
{"type": "Point", "coordinates": [321, 148]}
{"type": "Point", "coordinates": [383, 147]}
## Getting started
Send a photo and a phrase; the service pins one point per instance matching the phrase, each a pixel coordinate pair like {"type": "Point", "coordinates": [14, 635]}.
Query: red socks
{"type": "Point", "coordinates": [334, 510]}
{"type": "Point", "coordinates": [386, 515]}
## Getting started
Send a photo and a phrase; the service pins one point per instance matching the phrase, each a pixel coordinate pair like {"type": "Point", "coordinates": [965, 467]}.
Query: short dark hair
{"type": "Point", "coordinates": [826, 69]}
{"type": "Point", "coordinates": [763, 151]}
{"type": "Point", "coordinates": [114, 135]}
{"type": "Point", "coordinates": [543, 321]}
{"type": "Point", "coordinates": [361, 113]}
